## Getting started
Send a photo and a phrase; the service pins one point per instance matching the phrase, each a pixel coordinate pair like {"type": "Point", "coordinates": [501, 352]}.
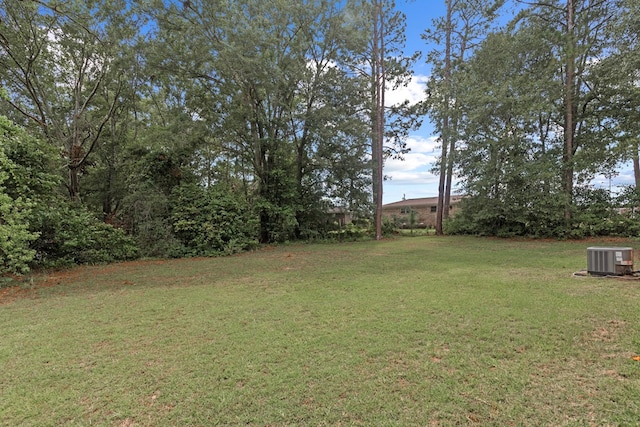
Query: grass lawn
{"type": "Point", "coordinates": [406, 332]}
{"type": "Point", "coordinates": [416, 232]}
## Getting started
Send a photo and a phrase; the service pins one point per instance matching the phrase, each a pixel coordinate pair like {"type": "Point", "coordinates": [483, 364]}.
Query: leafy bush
{"type": "Point", "coordinates": [39, 227]}
{"type": "Point", "coordinates": [24, 178]}
{"type": "Point", "coordinates": [212, 221]}
{"type": "Point", "coordinates": [356, 230]}
{"type": "Point", "coordinates": [277, 223]}
{"type": "Point", "coordinates": [15, 237]}
{"type": "Point", "coordinates": [538, 217]}
{"type": "Point", "coordinates": [595, 213]}
{"type": "Point", "coordinates": [32, 161]}
{"type": "Point", "coordinates": [69, 234]}
{"type": "Point", "coordinates": [146, 215]}
{"type": "Point", "coordinates": [388, 227]}
{"type": "Point", "coordinates": [313, 222]}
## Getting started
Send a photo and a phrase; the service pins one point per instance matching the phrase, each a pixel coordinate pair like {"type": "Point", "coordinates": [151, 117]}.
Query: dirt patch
{"type": "Point", "coordinates": [609, 332]}
{"type": "Point", "coordinates": [9, 294]}
{"type": "Point", "coordinates": [29, 286]}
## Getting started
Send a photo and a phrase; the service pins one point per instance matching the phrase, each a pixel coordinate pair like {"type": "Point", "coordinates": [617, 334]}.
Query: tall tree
{"type": "Point", "coordinates": [61, 64]}
{"type": "Point", "coordinates": [617, 78]}
{"type": "Point", "coordinates": [268, 81]}
{"type": "Point", "coordinates": [578, 32]}
{"type": "Point", "coordinates": [463, 26]}
{"type": "Point", "coordinates": [539, 117]}
{"type": "Point", "coordinates": [378, 80]}
{"type": "Point", "coordinates": [508, 161]}
{"type": "Point", "coordinates": [380, 60]}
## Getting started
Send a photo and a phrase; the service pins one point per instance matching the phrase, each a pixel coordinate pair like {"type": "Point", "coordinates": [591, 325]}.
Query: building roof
{"type": "Point", "coordinates": [425, 201]}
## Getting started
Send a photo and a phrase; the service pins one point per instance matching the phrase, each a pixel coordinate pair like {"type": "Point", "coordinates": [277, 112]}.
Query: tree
{"type": "Point", "coordinates": [577, 30]}
{"type": "Point", "coordinates": [379, 82]}
{"type": "Point", "coordinates": [268, 83]}
{"type": "Point", "coordinates": [378, 59]}
{"type": "Point", "coordinates": [508, 161]}
{"type": "Point", "coordinates": [63, 69]}
{"type": "Point", "coordinates": [617, 78]}
{"type": "Point", "coordinates": [525, 124]}
{"type": "Point", "coordinates": [465, 23]}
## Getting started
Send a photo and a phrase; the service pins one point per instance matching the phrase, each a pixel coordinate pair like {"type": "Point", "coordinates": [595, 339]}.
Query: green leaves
{"type": "Point", "coordinates": [70, 234]}
{"type": "Point", "coordinates": [66, 68]}
{"type": "Point", "coordinates": [15, 237]}
{"type": "Point", "coordinates": [270, 88]}
{"type": "Point", "coordinates": [537, 121]}
{"type": "Point", "coordinates": [212, 221]}
{"type": "Point", "coordinates": [25, 176]}
{"type": "Point", "coordinates": [38, 226]}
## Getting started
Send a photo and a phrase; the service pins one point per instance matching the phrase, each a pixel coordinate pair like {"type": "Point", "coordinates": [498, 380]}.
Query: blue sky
{"type": "Point", "coordinates": [411, 178]}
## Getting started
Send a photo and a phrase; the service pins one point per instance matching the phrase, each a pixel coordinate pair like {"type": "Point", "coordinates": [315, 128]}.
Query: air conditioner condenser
{"type": "Point", "coordinates": [606, 261]}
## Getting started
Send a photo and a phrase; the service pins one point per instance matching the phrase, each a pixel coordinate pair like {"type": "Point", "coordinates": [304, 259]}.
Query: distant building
{"type": "Point", "coordinates": [340, 215]}
{"type": "Point", "coordinates": [424, 209]}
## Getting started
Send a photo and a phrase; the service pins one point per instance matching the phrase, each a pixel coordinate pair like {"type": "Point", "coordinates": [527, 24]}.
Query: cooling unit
{"type": "Point", "coordinates": [609, 261]}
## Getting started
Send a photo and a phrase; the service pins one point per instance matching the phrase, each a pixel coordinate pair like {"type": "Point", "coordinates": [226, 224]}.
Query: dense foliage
{"type": "Point", "coordinates": [38, 226]}
{"type": "Point", "coordinates": [539, 112]}
{"type": "Point", "coordinates": [195, 128]}
{"type": "Point", "coordinates": [15, 237]}
{"type": "Point", "coordinates": [163, 128]}
{"type": "Point", "coordinates": [210, 221]}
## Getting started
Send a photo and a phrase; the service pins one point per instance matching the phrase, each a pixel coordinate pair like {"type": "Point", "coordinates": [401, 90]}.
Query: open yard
{"type": "Point", "coordinates": [406, 332]}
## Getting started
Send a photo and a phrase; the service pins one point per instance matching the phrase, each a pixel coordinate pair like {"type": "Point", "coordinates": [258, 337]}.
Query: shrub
{"type": "Point", "coordinates": [388, 227]}
{"type": "Point", "coordinates": [146, 215]}
{"type": "Point", "coordinates": [356, 230]}
{"type": "Point", "coordinates": [24, 179]}
{"type": "Point", "coordinates": [212, 221]}
{"type": "Point", "coordinates": [15, 237]}
{"type": "Point", "coordinates": [69, 234]}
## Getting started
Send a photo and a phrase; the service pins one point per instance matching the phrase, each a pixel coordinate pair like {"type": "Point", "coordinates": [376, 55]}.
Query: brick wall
{"type": "Point", "coordinates": [425, 214]}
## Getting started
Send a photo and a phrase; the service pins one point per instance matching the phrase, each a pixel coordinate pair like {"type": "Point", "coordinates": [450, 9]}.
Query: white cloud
{"type": "Point", "coordinates": [420, 144]}
{"type": "Point", "coordinates": [422, 156]}
{"type": "Point", "coordinates": [414, 92]}
{"type": "Point", "coordinates": [411, 177]}
{"type": "Point", "coordinates": [411, 162]}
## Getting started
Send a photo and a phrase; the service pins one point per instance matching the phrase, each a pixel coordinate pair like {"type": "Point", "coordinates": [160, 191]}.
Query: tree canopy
{"type": "Point", "coordinates": [181, 128]}
{"type": "Point", "coordinates": [534, 119]}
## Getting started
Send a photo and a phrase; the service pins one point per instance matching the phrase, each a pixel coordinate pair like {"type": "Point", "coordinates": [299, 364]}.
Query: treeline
{"type": "Point", "coordinates": [178, 128]}
{"type": "Point", "coordinates": [530, 112]}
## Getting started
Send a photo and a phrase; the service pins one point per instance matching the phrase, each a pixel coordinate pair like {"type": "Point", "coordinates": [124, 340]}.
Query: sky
{"type": "Point", "coordinates": [412, 178]}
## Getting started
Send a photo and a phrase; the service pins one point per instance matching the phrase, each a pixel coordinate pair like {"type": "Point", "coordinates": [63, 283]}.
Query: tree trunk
{"type": "Point", "coordinates": [75, 163]}
{"type": "Point", "coordinates": [636, 171]}
{"type": "Point", "coordinates": [569, 121]}
{"type": "Point", "coordinates": [443, 193]}
{"type": "Point", "coordinates": [377, 148]}
{"type": "Point", "coordinates": [636, 168]}
{"type": "Point", "coordinates": [450, 160]}
{"type": "Point", "coordinates": [441, 182]}
{"type": "Point", "coordinates": [74, 184]}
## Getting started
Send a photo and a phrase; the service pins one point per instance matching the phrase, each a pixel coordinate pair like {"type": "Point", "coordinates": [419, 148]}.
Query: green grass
{"type": "Point", "coordinates": [416, 232]}
{"type": "Point", "coordinates": [405, 332]}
